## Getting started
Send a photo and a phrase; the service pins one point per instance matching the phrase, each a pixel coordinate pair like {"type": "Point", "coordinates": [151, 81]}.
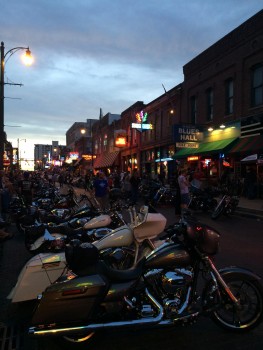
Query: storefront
{"type": "Point", "coordinates": [210, 157]}
{"type": "Point", "coordinates": [159, 161]}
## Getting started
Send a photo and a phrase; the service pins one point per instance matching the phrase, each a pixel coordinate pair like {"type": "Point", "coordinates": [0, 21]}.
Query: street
{"type": "Point", "coordinates": [241, 245]}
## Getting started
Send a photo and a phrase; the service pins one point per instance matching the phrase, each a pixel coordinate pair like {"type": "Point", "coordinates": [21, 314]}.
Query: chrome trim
{"type": "Point", "coordinates": [143, 321]}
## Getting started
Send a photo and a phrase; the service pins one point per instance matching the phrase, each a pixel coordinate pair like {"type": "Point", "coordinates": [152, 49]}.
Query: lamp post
{"type": "Point", "coordinates": [27, 60]}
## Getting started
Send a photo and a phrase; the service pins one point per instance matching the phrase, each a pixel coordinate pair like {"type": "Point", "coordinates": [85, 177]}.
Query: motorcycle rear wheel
{"type": "Point", "coordinates": [76, 340]}
{"type": "Point", "coordinates": [249, 313]}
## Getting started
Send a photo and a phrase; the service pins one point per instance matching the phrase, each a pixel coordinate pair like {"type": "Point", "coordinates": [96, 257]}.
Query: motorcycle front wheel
{"type": "Point", "coordinates": [218, 210]}
{"type": "Point", "coordinates": [249, 313]}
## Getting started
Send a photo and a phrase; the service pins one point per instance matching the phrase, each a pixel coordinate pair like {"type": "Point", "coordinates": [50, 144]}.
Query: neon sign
{"type": "Point", "coordinates": [141, 117]}
{"type": "Point", "coordinates": [141, 124]}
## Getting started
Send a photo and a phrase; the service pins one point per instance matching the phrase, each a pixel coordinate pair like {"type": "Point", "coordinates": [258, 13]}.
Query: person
{"type": "Point", "coordinates": [184, 188]}
{"type": "Point", "coordinates": [61, 180]}
{"type": "Point", "coordinates": [175, 186]}
{"type": "Point", "coordinates": [134, 181]}
{"type": "Point", "coordinates": [100, 190]}
{"type": "Point", "coordinates": [26, 188]}
{"type": "Point", "coordinates": [126, 185]}
{"type": "Point", "coordinates": [197, 176]}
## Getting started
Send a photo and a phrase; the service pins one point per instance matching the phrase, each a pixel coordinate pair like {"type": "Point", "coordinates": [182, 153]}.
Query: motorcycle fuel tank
{"type": "Point", "coordinates": [167, 255]}
{"type": "Point", "coordinates": [121, 237]}
{"type": "Point", "coordinates": [99, 221]}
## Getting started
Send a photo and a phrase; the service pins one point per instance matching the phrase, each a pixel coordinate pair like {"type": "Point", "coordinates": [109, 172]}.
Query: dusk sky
{"type": "Point", "coordinates": [92, 54]}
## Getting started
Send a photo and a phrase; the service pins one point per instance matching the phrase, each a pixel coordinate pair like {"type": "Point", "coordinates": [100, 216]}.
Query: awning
{"type": "Point", "coordinates": [248, 145]}
{"type": "Point", "coordinates": [105, 160]}
{"type": "Point", "coordinates": [206, 148]}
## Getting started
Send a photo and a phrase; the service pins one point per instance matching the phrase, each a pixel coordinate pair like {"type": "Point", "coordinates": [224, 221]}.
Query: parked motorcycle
{"type": "Point", "coordinates": [121, 248]}
{"type": "Point", "coordinates": [174, 284]}
{"type": "Point", "coordinates": [226, 206]}
{"type": "Point", "coordinates": [203, 199]}
{"type": "Point", "coordinates": [163, 196]}
{"type": "Point", "coordinates": [41, 238]}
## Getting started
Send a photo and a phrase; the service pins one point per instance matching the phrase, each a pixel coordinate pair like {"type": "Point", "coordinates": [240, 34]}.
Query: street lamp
{"type": "Point", "coordinates": [28, 59]}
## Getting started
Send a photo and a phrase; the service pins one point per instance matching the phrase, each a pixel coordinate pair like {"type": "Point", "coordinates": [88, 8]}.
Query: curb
{"type": "Point", "coordinates": [248, 213]}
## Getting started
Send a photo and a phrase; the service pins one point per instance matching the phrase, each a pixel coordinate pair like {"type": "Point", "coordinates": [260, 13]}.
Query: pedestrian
{"type": "Point", "coordinates": [134, 181]}
{"type": "Point", "coordinates": [100, 190]}
{"type": "Point", "coordinates": [183, 183]}
{"type": "Point", "coordinates": [25, 188]}
{"type": "Point", "coordinates": [61, 180]}
{"type": "Point", "coordinates": [126, 185]}
{"type": "Point", "coordinates": [197, 176]}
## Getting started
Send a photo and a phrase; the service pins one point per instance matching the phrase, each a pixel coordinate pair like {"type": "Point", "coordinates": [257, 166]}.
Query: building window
{"type": "Point", "coordinates": [210, 104]}
{"type": "Point", "coordinates": [257, 85]}
{"type": "Point", "coordinates": [229, 90]}
{"type": "Point", "coordinates": [193, 110]}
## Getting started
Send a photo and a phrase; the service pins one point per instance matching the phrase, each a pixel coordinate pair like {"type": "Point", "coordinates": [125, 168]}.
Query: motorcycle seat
{"type": "Point", "coordinates": [115, 275]}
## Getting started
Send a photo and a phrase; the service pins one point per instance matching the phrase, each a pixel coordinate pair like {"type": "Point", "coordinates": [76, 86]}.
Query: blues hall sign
{"type": "Point", "coordinates": [187, 133]}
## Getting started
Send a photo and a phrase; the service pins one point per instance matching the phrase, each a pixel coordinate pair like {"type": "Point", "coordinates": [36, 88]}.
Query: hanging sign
{"type": "Point", "coordinates": [120, 138]}
{"type": "Point", "coordinates": [141, 124]}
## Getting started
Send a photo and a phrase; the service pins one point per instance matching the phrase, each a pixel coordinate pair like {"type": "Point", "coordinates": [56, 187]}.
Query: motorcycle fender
{"type": "Point", "coordinates": [121, 237]}
{"type": "Point", "coordinates": [239, 270]}
{"type": "Point", "coordinates": [38, 273]}
{"type": "Point", "coordinates": [99, 221]}
{"type": "Point", "coordinates": [71, 301]}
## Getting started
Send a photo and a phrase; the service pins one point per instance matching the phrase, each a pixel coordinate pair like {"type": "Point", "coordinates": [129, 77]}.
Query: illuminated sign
{"type": "Point", "coordinates": [188, 133]}
{"type": "Point", "coordinates": [88, 156]}
{"type": "Point", "coordinates": [74, 155]}
{"type": "Point", "coordinates": [120, 138]}
{"type": "Point", "coordinates": [141, 124]}
{"type": "Point", "coordinates": [192, 158]}
{"type": "Point", "coordinates": [187, 144]}
{"type": "Point", "coordinates": [141, 117]}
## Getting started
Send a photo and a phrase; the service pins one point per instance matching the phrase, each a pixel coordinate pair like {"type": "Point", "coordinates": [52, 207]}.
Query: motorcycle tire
{"type": "Point", "coordinates": [75, 340]}
{"type": "Point", "coordinates": [218, 211]}
{"type": "Point", "coordinates": [249, 292]}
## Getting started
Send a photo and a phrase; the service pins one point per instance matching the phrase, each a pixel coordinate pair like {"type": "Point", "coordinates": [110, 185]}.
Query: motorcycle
{"type": "Point", "coordinates": [41, 238]}
{"type": "Point", "coordinates": [226, 206]}
{"type": "Point", "coordinates": [164, 195]}
{"type": "Point", "coordinates": [175, 284]}
{"type": "Point", "coordinates": [45, 210]}
{"type": "Point", "coordinates": [203, 199]}
{"type": "Point", "coordinates": [121, 248]}
{"type": "Point", "coordinates": [86, 223]}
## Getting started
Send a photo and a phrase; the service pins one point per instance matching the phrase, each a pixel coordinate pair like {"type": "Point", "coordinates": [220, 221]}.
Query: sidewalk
{"type": "Point", "coordinates": [250, 207]}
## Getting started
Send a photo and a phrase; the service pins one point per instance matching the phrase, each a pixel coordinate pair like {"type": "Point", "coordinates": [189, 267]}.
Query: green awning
{"type": "Point", "coordinates": [206, 148]}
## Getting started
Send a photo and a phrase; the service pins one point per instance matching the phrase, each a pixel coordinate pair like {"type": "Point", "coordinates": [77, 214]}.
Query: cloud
{"type": "Point", "coordinates": [92, 54]}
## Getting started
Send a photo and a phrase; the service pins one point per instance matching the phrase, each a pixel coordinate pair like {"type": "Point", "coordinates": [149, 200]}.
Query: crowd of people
{"type": "Point", "coordinates": [23, 183]}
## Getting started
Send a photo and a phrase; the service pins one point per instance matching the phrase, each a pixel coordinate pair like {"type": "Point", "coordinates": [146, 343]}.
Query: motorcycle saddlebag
{"type": "Point", "coordinates": [73, 301]}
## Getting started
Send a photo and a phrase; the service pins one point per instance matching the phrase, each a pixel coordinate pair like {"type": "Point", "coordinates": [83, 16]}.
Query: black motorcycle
{"type": "Point", "coordinates": [203, 199]}
{"type": "Point", "coordinates": [173, 285]}
{"type": "Point", "coordinates": [226, 206]}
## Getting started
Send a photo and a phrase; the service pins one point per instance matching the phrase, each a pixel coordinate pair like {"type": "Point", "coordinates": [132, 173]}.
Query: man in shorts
{"type": "Point", "coordinates": [184, 188]}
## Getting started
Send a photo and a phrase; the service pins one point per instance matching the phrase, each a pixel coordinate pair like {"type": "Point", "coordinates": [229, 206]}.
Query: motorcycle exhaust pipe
{"type": "Point", "coordinates": [37, 331]}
